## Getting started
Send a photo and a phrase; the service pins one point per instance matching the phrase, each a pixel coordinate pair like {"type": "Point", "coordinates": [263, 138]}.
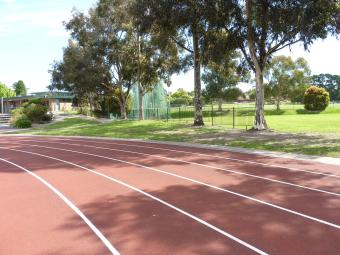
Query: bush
{"type": "Point", "coordinates": [35, 112]}
{"type": "Point", "coordinates": [316, 99]}
{"type": "Point", "coordinates": [23, 122]}
{"type": "Point", "coordinates": [47, 118]}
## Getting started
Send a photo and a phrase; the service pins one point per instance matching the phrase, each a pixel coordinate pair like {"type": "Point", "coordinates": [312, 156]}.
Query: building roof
{"type": "Point", "coordinates": [49, 95]}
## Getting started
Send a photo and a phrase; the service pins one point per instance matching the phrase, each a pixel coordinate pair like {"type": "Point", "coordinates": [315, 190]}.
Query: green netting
{"type": "Point", "coordinates": [155, 103]}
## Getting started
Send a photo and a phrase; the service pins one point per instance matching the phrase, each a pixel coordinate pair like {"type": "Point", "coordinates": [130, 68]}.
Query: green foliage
{"type": "Point", "coordinates": [35, 112]}
{"type": "Point", "coordinates": [6, 92]}
{"type": "Point", "coordinates": [316, 99]}
{"type": "Point", "coordinates": [330, 82]}
{"type": "Point", "coordinates": [287, 79]}
{"type": "Point", "coordinates": [232, 94]}
{"type": "Point", "coordinates": [23, 122]}
{"type": "Point", "coordinates": [180, 97]}
{"type": "Point", "coordinates": [19, 88]}
{"type": "Point", "coordinates": [47, 118]}
{"type": "Point", "coordinates": [84, 110]}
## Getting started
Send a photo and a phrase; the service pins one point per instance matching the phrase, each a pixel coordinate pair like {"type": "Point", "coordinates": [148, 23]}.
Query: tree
{"type": "Point", "coordinates": [187, 23]}
{"type": "Point", "coordinates": [263, 27]}
{"type": "Point", "coordinates": [80, 73]}
{"type": "Point", "coordinates": [180, 97]}
{"type": "Point", "coordinates": [330, 82]}
{"type": "Point", "coordinates": [222, 74]}
{"type": "Point", "coordinates": [20, 88]}
{"type": "Point", "coordinates": [104, 59]}
{"type": "Point", "coordinates": [285, 78]}
{"type": "Point", "coordinates": [6, 92]}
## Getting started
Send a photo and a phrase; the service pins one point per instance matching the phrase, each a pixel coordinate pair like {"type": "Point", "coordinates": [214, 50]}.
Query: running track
{"type": "Point", "coordinates": [98, 196]}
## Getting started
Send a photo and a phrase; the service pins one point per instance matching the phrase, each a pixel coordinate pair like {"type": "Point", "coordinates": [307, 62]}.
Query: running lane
{"type": "Point", "coordinates": [303, 199]}
{"type": "Point", "coordinates": [33, 220]}
{"type": "Point", "coordinates": [131, 221]}
{"type": "Point", "coordinates": [267, 228]}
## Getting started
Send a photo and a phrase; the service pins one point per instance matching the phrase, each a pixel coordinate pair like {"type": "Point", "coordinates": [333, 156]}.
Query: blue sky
{"type": "Point", "coordinates": [32, 37]}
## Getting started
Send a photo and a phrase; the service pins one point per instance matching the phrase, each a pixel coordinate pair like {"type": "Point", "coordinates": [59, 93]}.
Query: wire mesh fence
{"type": "Point", "coordinates": [234, 117]}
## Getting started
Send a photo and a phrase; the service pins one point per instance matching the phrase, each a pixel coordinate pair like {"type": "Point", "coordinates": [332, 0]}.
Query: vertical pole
{"type": "Point", "coordinates": [179, 113]}
{"type": "Point", "coordinates": [167, 114]}
{"type": "Point", "coordinates": [157, 114]}
{"type": "Point", "coordinates": [2, 105]}
{"type": "Point", "coordinates": [108, 108]}
{"type": "Point", "coordinates": [233, 117]}
{"type": "Point", "coordinates": [212, 114]}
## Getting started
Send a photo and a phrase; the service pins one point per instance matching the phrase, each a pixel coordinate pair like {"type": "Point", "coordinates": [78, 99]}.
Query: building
{"type": "Point", "coordinates": [57, 101]}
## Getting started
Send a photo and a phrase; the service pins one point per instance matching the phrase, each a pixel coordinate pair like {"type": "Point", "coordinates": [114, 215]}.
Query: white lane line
{"type": "Point", "coordinates": [201, 183]}
{"type": "Point", "coordinates": [202, 165]}
{"type": "Point", "coordinates": [70, 204]}
{"type": "Point", "coordinates": [209, 155]}
{"type": "Point", "coordinates": [251, 247]}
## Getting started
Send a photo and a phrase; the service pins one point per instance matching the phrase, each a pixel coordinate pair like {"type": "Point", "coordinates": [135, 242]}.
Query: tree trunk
{"type": "Point", "coordinates": [220, 101]}
{"type": "Point", "coordinates": [140, 103]}
{"type": "Point", "coordinates": [197, 80]}
{"type": "Point", "coordinates": [259, 64]}
{"type": "Point", "coordinates": [122, 106]}
{"type": "Point", "coordinates": [278, 104]}
{"type": "Point", "coordinates": [123, 112]}
{"type": "Point", "coordinates": [260, 122]}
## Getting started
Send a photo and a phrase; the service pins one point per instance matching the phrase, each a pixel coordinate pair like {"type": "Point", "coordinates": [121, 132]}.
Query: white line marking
{"type": "Point", "coordinates": [202, 183]}
{"type": "Point", "coordinates": [253, 248]}
{"type": "Point", "coordinates": [203, 165]}
{"type": "Point", "coordinates": [71, 205]}
{"type": "Point", "coordinates": [209, 155]}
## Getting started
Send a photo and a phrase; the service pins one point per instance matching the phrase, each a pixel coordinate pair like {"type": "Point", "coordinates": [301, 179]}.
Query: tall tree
{"type": "Point", "coordinates": [185, 22]}
{"type": "Point", "coordinates": [222, 73]}
{"type": "Point", "coordinates": [330, 82]}
{"type": "Point", "coordinates": [285, 78]}
{"type": "Point", "coordinates": [263, 27]}
{"type": "Point", "coordinates": [80, 73]}
{"type": "Point", "coordinates": [6, 92]}
{"type": "Point", "coordinates": [19, 88]}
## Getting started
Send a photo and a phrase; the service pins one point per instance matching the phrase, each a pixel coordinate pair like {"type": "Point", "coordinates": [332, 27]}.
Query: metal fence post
{"type": "Point", "coordinates": [179, 114]}
{"type": "Point", "coordinates": [212, 114]}
{"type": "Point", "coordinates": [233, 117]}
{"type": "Point", "coordinates": [167, 114]}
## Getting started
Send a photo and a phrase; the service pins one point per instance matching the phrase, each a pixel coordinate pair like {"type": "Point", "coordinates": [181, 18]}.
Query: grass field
{"type": "Point", "coordinates": [305, 134]}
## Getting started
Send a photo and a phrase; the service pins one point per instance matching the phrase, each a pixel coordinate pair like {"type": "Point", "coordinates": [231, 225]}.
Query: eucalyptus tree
{"type": "Point", "coordinates": [286, 77]}
{"type": "Point", "coordinates": [80, 73]}
{"type": "Point", "coordinates": [219, 77]}
{"type": "Point", "coordinates": [260, 28]}
{"type": "Point", "coordinates": [186, 23]}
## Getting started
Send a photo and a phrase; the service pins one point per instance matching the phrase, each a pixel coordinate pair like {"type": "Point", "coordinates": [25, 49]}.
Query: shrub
{"type": "Point", "coordinates": [47, 118]}
{"type": "Point", "coordinates": [35, 112]}
{"type": "Point", "coordinates": [23, 122]}
{"type": "Point", "coordinates": [84, 110]}
{"type": "Point", "coordinates": [316, 99]}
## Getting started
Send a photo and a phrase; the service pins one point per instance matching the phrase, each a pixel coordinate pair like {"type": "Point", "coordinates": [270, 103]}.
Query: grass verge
{"type": "Point", "coordinates": [325, 144]}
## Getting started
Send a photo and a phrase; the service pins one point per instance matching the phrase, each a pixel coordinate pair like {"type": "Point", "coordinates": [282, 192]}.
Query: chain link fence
{"type": "Point", "coordinates": [234, 117]}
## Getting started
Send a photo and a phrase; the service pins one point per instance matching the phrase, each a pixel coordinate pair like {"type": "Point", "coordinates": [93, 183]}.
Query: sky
{"type": "Point", "coordinates": [32, 36]}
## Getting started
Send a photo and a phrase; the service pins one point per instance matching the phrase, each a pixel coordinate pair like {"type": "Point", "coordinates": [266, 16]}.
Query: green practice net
{"type": "Point", "coordinates": [155, 103]}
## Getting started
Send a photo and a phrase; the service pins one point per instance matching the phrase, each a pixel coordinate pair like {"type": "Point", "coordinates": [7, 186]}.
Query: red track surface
{"type": "Point", "coordinates": [147, 198]}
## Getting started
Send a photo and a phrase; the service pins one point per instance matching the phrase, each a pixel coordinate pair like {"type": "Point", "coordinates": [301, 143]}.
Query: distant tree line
{"type": "Point", "coordinates": [119, 43]}
{"type": "Point", "coordinates": [19, 89]}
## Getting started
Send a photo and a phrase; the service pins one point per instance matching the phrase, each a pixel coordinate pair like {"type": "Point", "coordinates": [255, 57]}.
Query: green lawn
{"type": "Point", "coordinates": [301, 123]}
{"type": "Point", "coordinates": [323, 138]}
